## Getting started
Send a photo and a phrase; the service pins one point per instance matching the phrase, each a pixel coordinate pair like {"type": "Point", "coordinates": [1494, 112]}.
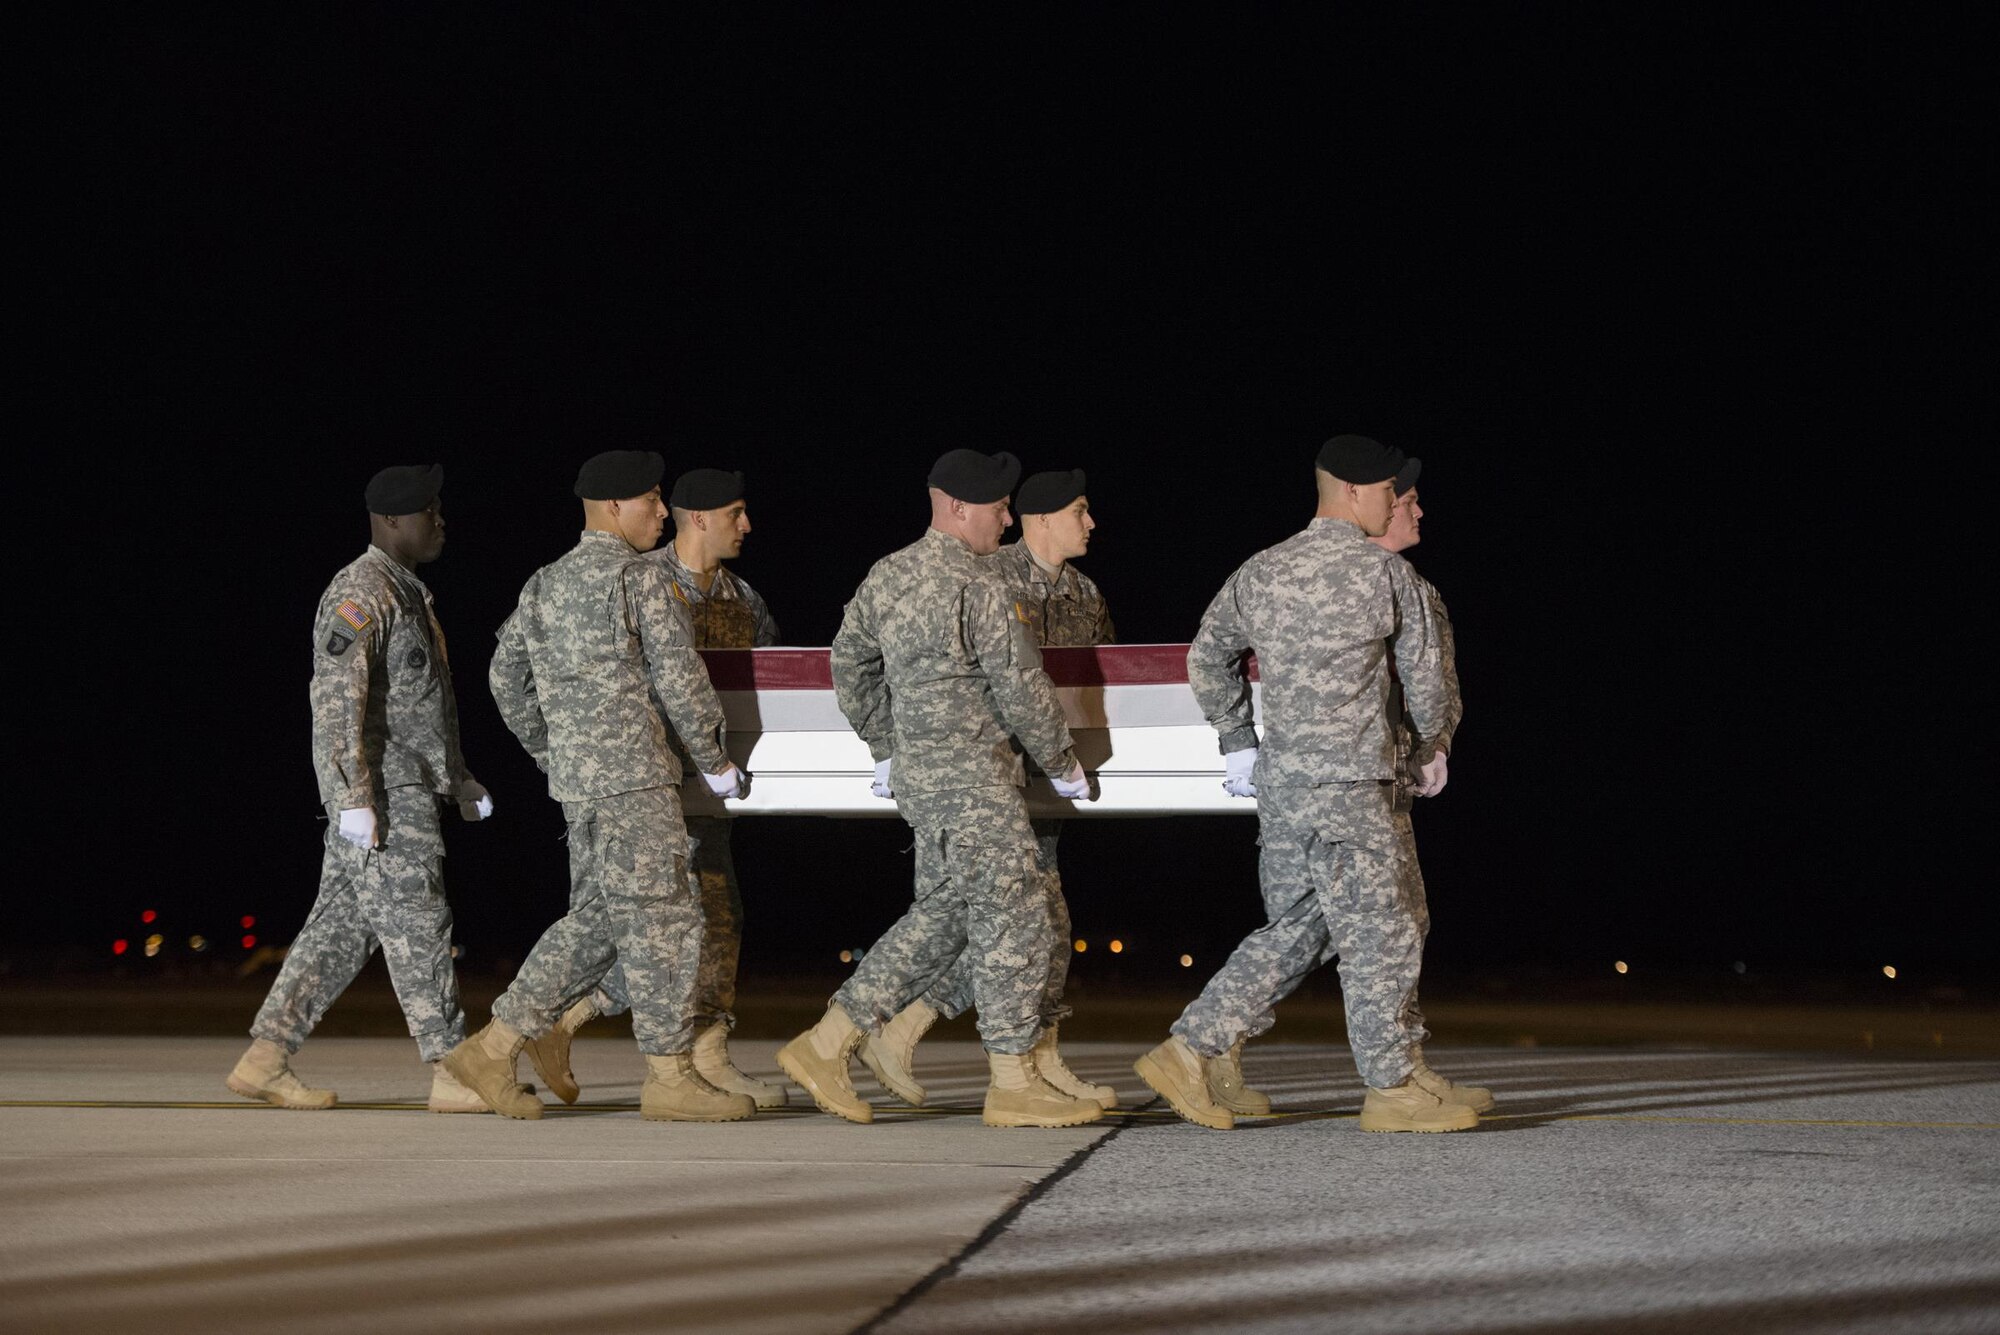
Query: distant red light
{"type": "Point", "coordinates": [248, 921]}
{"type": "Point", "coordinates": [148, 916]}
{"type": "Point", "coordinates": [120, 946]}
{"type": "Point", "coordinates": [249, 941]}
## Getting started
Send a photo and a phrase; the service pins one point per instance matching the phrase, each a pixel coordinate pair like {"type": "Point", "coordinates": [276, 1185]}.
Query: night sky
{"type": "Point", "coordinates": [1677, 310]}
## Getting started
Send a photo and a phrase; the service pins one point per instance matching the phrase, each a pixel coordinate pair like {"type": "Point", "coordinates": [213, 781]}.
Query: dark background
{"type": "Point", "coordinates": [1677, 309]}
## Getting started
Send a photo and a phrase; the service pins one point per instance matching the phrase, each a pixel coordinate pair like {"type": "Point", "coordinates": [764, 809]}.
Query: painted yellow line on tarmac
{"type": "Point", "coordinates": [1745, 1121]}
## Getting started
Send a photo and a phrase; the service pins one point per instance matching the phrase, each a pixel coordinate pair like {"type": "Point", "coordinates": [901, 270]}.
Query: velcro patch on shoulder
{"type": "Point", "coordinates": [337, 643]}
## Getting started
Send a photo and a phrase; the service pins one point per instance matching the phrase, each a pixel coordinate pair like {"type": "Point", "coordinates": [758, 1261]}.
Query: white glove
{"type": "Point", "coordinates": [729, 783]}
{"type": "Point", "coordinates": [1236, 770]}
{"type": "Point", "coordinates": [474, 802]}
{"type": "Point", "coordinates": [1431, 777]}
{"type": "Point", "coordinates": [880, 787]}
{"type": "Point", "coordinates": [357, 826]}
{"type": "Point", "coordinates": [1076, 786]}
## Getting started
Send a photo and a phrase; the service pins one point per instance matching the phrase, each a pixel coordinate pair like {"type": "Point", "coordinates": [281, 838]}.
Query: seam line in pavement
{"type": "Point", "coordinates": [1000, 1225]}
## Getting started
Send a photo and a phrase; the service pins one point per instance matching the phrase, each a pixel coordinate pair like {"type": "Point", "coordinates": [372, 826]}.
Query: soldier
{"type": "Point", "coordinates": [935, 666]}
{"type": "Point", "coordinates": [595, 651]}
{"type": "Point", "coordinates": [1065, 608]}
{"type": "Point", "coordinates": [385, 748]}
{"type": "Point", "coordinates": [1325, 611]}
{"type": "Point", "coordinates": [1413, 754]}
{"type": "Point", "coordinates": [710, 523]}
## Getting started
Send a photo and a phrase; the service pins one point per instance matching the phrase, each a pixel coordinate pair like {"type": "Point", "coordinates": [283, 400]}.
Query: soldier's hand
{"type": "Point", "coordinates": [1075, 786]}
{"type": "Point", "coordinates": [1431, 778]}
{"type": "Point", "coordinates": [474, 802]}
{"type": "Point", "coordinates": [357, 827]}
{"type": "Point", "coordinates": [1237, 768]}
{"type": "Point", "coordinates": [880, 787]}
{"type": "Point", "coordinates": [729, 783]}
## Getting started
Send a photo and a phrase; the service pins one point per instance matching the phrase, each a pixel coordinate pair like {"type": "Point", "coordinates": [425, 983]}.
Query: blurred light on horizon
{"type": "Point", "coordinates": [148, 916]}
{"type": "Point", "coordinates": [120, 946]}
{"type": "Point", "coordinates": [1186, 960]}
{"type": "Point", "coordinates": [847, 957]}
{"type": "Point", "coordinates": [247, 921]}
{"type": "Point", "coordinates": [1117, 947]}
{"type": "Point", "coordinates": [249, 941]}
{"type": "Point", "coordinates": [197, 942]}
{"type": "Point", "coordinates": [1082, 945]}
{"type": "Point", "coordinates": [1620, 966]}
{"type": "Point", "coordinates": [1888, 971]}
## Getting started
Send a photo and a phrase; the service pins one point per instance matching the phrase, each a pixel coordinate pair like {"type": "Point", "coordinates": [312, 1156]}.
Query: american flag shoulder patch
{"type": "Point", "coordinates": [353, 616]}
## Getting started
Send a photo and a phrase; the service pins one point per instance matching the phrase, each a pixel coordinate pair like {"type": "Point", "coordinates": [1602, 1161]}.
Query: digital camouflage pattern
{"type": "Point", "coordinates": [383, 713]}
{"type": "Point", "coordinates": [937, 667]}
{"type": "Point", "coordinates": [629, 901]}
{"type": "Point", "coordinates": [978, 893]}
{"type": "Point", "coordinates": [393, 897]}
{"type": "Point", "coordinates": [1414, 751]}
{"type": "Point", "coordinates": [1065, 608]}
{"type": "Point", "coordinates": [729, 614]}
{"type": "Point", "coordinates": [932, 629]}
{"type": "Point", "coordinates": [1066, 611]}
{"type": "Point", "coordinates": [1338, 880]}
{"type": "Point", "coordinates": [596, 638]}
{"type": "Point", "coordinates": [597, 650]}
{"type": "Point", "coordinates": [1325, 610]}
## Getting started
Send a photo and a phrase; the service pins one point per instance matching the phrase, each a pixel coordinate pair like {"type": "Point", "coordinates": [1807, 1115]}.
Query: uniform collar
{"type": "Point", "coordinates": [671, 558]}
{"type": "Point", "coordinates": [600, 538]}
{"type": "Point", "coordinates": [397, 570]}
{"type": "Point", "coordinates": [1337, 529]}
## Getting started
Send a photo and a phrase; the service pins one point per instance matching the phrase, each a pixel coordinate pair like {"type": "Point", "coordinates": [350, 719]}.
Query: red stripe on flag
{"type": "Point", "coordinates": [809, 669]}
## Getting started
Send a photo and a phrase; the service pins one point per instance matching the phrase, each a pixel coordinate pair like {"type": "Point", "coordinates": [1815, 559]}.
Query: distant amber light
{"type": "Point", "coordinates": [1186, 960]}
{"type": "Point", "coordinates": [1888, 971]}
{"type": "Point", "coordinates": [1117, 947]}
{"type": "Point", "coordinates": [847, 957]}
{"type": "Point", "coordinates": [1082, 945]}
{"type": "Point", "coordinates": [1621, 967]}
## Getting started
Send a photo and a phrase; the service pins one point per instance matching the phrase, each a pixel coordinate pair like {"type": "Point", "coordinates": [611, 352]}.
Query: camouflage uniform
{"type": "Point", "coordinates": [597, 649]}
{"type": "Point", "coordinates": [1066, 611]}
{"type": "Point", "coordinates": [1325, 611]}
{"type": "Point", "coordinates": [385, 735]}
{"type": "Point", "coordinates": [729, 615]}
{"type": "Point", "coordinates": [936, 665]}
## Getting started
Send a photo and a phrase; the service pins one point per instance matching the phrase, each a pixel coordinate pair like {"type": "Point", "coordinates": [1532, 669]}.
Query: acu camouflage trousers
{"type": "Point", "coordinates": [629, 902]}
{"type": "Point", "coordinates": [1340, 878]}
{"type": "Point", "coordinates": [391, 897]}
{"type": "Point", "coordinates": [712, 868]}
{"type": "Point", "coordinates": [951, 996]}
{"type": "Point", "coordinates": [979, 894]}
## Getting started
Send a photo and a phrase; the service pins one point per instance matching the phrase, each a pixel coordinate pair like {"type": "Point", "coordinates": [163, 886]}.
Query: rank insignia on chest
{"type": "Point", "coordinates": [1021, 614]}
{"type": "Point", "coordinates": [352, 615]}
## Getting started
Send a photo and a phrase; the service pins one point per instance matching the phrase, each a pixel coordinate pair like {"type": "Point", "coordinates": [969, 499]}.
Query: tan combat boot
{"type": "Point", "coordinates": [1179, 1074]}
{"type": "Point", "coordinates": [712, 1063]}
{"type": "Point", "coordinates": [817, 1062]}
{"type": "Point", "coordinates": [449, 1096]}
{"type": "Point", "coordinates": [674, 1092]}
{"type": "Point", "coordinates": [549, 1054]}
{"type": "Point", "coordinates": [891, 1056]}
{"type": "Point", "coordinates": [1050, 1066]}
{"type": "Point", "coordinates": [1465, 1096]}
{"type": "Point", "coordinates": [263, 1073]}
{"type": "Point", "coordinates": [1018, 1096]}
{"type": "Point", "coordinates": [1226, 1087]}
{"type": "Point", "coordinates": [484, 1064]}
{"type": "Point", "coordinates": [1411, 1107]}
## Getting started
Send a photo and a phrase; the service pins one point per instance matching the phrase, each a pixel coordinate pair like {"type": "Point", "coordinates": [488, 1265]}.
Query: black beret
{"type": "Point", "coordinates": [1045, 493]}
{"type": "Point", "coordinates": [1406, 476]}
{"type": "Point", "coordinates": [968, 475]}
{"type": "Point", "coordinates": [407, 489]}
{"type": "Point", "coordinates": [1360, 460]}
{"type": "Point", "coordinates": [619, 475]}
{"type": "Point", "coordinates": [706, 489]}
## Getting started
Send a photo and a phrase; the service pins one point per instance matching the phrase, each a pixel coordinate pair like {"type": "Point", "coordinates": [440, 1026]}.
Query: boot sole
{"type": "Point", "coordinates": [909, 1092]}
{"type": "Point", "coordinates": [1162, 1083]}
{"type": "Point", "coordinates": [457, 1108]}
{"type": "Point", "coordinates": [473, 1085]}
{"type": "Point", "coordinates": [1094, 1114]}
{"type": "Point", "coordinates": [792, 1068]}
{"type": "Point", "coordinates": [1408, 1126]}
{"type": "Point", "coordinates": [695, 1117]}
{"type": "Point", "coordinates": [250, 1091]}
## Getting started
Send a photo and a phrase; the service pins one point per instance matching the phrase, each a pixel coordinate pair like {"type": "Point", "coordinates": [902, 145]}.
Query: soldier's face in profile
{"type": "Point", "coordinates": [984, 524]}
{"type": "Point", "coordinates": [1405, 528]}
{"type": "Point", "coordinates": [640, 520]}
{"type": "Point", "coordinates": [1068, 529]}
{"type": "Point", "coordinates": [727, 528]}
{"type": "Point", "coordinates": [1373, 505]}
{"type": "Point", "coordinates": [425, 530]}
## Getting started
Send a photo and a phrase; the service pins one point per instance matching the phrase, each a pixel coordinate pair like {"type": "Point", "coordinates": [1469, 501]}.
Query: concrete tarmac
{"type": "Point", "coordinates": [1648, 1191]}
